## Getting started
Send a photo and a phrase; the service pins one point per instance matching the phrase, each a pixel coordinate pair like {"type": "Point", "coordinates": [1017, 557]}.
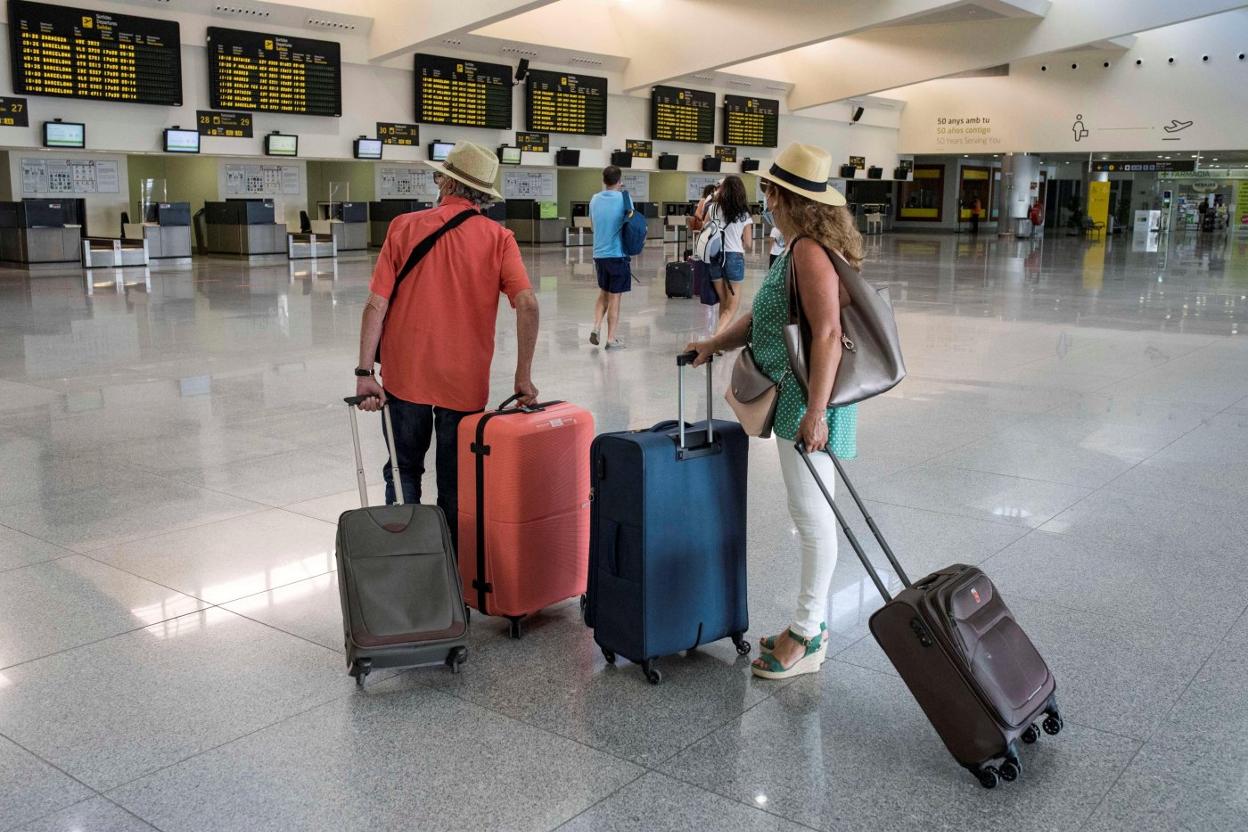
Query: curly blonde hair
{"type": "Point", "coordinates": [832, 226]}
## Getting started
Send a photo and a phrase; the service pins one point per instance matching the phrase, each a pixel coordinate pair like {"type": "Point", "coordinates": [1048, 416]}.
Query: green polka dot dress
{"type": "Point", "coordinates": [771, 314]}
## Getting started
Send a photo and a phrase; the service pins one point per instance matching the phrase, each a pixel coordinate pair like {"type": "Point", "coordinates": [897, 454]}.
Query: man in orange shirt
{"type": "Point", "coordinates": [437, 341]}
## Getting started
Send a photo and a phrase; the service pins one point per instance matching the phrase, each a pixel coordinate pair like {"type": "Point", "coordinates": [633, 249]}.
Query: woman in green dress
{"type": "Point", "coordinates": [811, 214]}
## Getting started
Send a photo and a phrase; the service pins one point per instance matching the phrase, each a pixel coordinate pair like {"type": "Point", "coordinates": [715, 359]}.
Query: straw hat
{"type": "Point", "coordinates": [804, 170]}
{"type": "Point", "coordinates": [471, 164]}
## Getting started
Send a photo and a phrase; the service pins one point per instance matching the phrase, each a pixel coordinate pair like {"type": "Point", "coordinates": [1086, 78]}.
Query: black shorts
{"type": "Point", "coordinates": [614, 274]}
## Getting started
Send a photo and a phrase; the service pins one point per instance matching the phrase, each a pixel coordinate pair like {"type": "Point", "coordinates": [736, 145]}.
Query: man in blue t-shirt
{"type": "Point", "coordinates": [606, 215]}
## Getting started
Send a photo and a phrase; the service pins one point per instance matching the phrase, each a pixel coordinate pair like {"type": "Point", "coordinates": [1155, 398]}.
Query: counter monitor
{"type": "Point", "coordinates": [79, 53]}
{"type": "Point", "coordinates": [464, 93]}
{"type": "Point", "coordinates": [278, 144]}
{"type": "Point", "coordinates": [678, 114]}
{"type": "Point", "coordinates": [64, 134]}
{"type": "Point", "coordinates": [366, 148]}
{"type": "Point", "coordinates": [438, 150]}
{"type": "Point", "coordinates": [750, 121]}
{"type": "Point", "coordinates": [273, 73]}
{"type": "Point", "coordinates": [560, 102]}
{"type": "Point", "coordinates": [181, 141]}
{"type": "Point", "coordinates": [509, 155]}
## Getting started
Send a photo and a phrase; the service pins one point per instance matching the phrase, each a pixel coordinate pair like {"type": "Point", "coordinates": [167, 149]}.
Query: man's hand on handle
{"type": "Point", "coordinates": [376, 397]}
{"type": "Point", "coordinates": [526, 391]}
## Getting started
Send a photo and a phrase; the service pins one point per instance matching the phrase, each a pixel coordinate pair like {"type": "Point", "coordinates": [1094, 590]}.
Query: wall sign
{"type": "Point", "coordinates": [640, 148]}
{"type": "Point", "coordinates": [223, 124]}
{"type": "Point", "coordinates": [1142, 166]}
{"type": "Point", "coordinates": [529, 184]}
{"type": "Point", "coordinates": [404, 135]}
{"type": "Point", "coordinates": [13, 112]}
{"type": "Point", "coordinates": [405, 182]}
{"type": "Point", "coordinates": [69, 176]}
{"type": "Point", "coordinates": [859, 162]}
{"type": "Point", "coordinates": [533, 142]}
{"type": "Point", "coordinates": [724, 153]}
{"type": "Point", "coordinates": [262, 180]}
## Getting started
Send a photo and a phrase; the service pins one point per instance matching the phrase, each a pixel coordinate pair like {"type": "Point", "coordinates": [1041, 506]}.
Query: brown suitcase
{"type": "Point", "coordinates": [973, 670]}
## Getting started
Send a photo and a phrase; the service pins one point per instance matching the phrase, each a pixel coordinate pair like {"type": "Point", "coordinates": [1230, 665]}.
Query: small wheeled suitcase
{"type": "Point", "coordinates": [957, 646]}
{"type": "Point", "coordinates": [401, 601]}
{"type": "Point", "coordinates": [524, 507]}
{"type": "Point", "coordinates": [679, 280]}
{"type": "Point", "coordinates": [667, 555]}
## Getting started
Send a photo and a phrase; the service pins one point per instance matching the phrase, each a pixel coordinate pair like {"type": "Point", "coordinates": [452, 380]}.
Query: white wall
{"type": "Point", "coordinates": [1124, 108]}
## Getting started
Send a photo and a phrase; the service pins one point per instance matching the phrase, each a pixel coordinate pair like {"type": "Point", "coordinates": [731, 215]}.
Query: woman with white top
{"type": "Point", "coordinates": [731, 210]}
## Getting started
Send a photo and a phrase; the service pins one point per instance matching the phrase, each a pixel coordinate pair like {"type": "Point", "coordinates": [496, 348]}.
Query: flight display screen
{"type": "Point", "coordinates": [752, 122]}
{"type": "Point", "coordinates": [464, 93]}
{"type": "Point", "coordinates": [79, 53]}
{"type": "Point", "coordinates": [273, 73]}
{"type": "Point", "coordinates": [678, 114]}
{"type": "Point", "coordinates": [561, 102]}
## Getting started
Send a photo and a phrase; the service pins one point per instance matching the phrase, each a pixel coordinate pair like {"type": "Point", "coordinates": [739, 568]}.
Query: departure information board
{"type": "Point", "coordinates": [78, 53]}
{"type": "Point", "coordinates": [682, 115]}
{"type": "Point", "coordinates": [465, 93]}
{"type": "Point", "coordinates": [273, 74]}
{"type": "Point", "coordinates": [560, 102]}
{"type": "Point", "coordinates": [749, 121]}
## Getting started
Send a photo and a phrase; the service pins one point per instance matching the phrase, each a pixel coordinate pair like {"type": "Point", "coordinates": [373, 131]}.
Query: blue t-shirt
{"type": "Point", "coordinates": [606, 212]}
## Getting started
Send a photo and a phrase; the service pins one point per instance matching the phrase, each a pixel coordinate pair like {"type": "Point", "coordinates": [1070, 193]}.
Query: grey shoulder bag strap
{"type": "Point", "coordinates": [871, 361]}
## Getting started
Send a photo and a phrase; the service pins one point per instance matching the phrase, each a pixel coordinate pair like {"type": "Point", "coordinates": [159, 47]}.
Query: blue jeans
{"type": "Point", "coordinates": [734, 266]}
{"type": "Point", "coordinates": [414, 429]}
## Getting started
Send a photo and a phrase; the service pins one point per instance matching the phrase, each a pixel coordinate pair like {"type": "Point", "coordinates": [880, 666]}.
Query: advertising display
{"type": "Point", "coordinates": [678, 114]}
{"type": "Point", "coordinates": [922, 198]}
{"type": "Point", "coordinates": [750, 121]}
{"type": "Point", "coordinates": [560, 102]}
{"type": "Point", "coordinates": [79, 53]}
{"type": "Point", "coordinates": [274, 74]}
{"type": "Point", "coordinates": [463, 93]}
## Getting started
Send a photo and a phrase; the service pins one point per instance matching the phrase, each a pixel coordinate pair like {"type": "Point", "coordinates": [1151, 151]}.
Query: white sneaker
{"type": "Point", "coordinates": [617, 344]}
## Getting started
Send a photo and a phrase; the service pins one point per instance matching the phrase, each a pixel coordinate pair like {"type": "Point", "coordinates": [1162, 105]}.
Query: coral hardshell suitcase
{"type": "Point", "coordinates": [524, 507]}
{"type": "Point", "coordinates": [667, 559]}
{"type": "Point", "coordinates": [679, 282]}
{"type": "Point", "coordinates": [957, 646]}
{"type": "Point", "coordinates": [401, 601]}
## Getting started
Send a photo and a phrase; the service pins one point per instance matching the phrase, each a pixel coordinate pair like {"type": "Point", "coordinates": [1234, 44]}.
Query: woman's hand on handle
{"type": "Point", "coordinates": [704, 349]}
{"type": "Point", "coordinates": [814, 431]}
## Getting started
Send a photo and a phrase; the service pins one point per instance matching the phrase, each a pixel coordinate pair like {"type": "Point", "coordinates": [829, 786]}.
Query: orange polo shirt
{"type": "Point", "coordinates": [438, 340]}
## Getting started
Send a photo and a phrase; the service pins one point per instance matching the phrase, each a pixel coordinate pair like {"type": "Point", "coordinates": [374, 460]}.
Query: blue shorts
{"type": "Point", "coordinates": [614, 274]}
{"type": "Point", "coordinates": [734, 266]}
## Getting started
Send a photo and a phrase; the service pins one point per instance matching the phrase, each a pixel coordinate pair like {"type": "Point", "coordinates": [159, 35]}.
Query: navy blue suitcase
{"type": "Point", "coordinates": [667, 538]}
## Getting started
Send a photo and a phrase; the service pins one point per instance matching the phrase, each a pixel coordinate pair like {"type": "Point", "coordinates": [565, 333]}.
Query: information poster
{"type": "Point", "coordinates": [697, 182]}
{"type": "Point", "coordinates": [637, 184]}
{"type": "Point", "coordinates": [405, 182]}
{"type": "Point", "coordinates": [262, 180]}
{"type": "Point", "coordinates": [69, 176]}
{"type": "Point", "coordinates": [528, 184]}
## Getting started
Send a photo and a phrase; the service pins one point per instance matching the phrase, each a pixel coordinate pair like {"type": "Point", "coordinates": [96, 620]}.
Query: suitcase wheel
{"type": "Point", "coordinates": [585, 609]}
{"type": "Point", "coordinates": [609, 655]}
{"type": "Point", "coordinates": [456, 659]}
{"type": "Point", "coordinates": [1053, 724]}
{"type": "Point", "coordinates": [467, 614]}
{"type": "Point", "coordinates": [743, 646]}
{"type": "Point", "coordinates": [1011, 770]}
{"type": "Point", "coordinates": [988, 777]}
{"type": "Point", "coordinates": [514, 630]}
{"type": "Point", "coordinates": [1031, 734]}
{"type": "Point", "coordinates": [360, 669]}
{"type": "Point", "coordinates": [653, 676]}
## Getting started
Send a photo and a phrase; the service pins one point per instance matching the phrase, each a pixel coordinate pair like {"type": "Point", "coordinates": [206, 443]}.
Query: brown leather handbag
{"type": "Point", "coordinates": [871, 360]}
{"type": "Point", "coordinates": [753, 396]}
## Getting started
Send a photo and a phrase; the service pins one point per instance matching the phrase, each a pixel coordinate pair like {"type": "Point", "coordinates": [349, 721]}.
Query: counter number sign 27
{"type": "Point", "coordinates": [13, 113]}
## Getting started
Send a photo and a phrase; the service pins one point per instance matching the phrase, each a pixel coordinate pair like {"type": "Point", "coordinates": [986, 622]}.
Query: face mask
{"type": "Point", "coordinates": [768, 217]}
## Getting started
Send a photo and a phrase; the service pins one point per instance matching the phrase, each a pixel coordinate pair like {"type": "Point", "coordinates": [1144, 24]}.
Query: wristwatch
{"type": "Point", "coordinates": [362, 373]}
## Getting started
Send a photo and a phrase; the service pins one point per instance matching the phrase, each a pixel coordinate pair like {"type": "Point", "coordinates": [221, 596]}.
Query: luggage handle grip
{"type": "Point", "coordinates": [352, 403]}
{"type": "Point", "coordinates": [872, 573]}
{"type": "Point", "coordinates": [683, 360]}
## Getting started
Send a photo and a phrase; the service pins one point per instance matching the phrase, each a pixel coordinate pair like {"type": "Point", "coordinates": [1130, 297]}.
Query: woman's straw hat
{"type": "Point", "coordinates": [804, 170]}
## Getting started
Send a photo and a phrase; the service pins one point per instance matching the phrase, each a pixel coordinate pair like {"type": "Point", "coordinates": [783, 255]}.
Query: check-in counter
{"type": "Point", "coordinates": [36, 231]}
{"type": "Point", "coordinates": [654, 223]}
{"type": "Point", "coordinates": [346, 222]}
{"type": "Point", "coordinates": [381, 214]}
{"type": "Point", "coordinates": [525, 219]}
{"type": "Point", "coordinates": [244, 226]}
{"type": "Point", "coordinates": [166, 230]}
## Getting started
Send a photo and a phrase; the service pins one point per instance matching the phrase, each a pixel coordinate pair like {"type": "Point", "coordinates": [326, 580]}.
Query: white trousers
{"type": "Point", "coordinates": [816, 529]}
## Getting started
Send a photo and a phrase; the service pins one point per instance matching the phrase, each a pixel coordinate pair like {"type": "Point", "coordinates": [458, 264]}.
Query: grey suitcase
{"type": "Point", "coordinates": [402, 605]}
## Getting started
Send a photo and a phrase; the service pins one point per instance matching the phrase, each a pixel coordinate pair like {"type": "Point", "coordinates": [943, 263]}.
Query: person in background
{"type": "Point", "coordinates": [699, 213]}
{"type": "Point", "coordinates": [436, 332]}
{"type": "Point", "coordinates": [976, 208]}
{"type": "Point", "coordinates": [615, 276]}
{"type": "Point", "coordinates": [813, 218]}
{"type": "Point", "coordinates": [730, 207]}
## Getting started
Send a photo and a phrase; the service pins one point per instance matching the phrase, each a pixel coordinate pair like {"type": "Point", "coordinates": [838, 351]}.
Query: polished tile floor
{"type": "Point", "coordinates": [174, 459]}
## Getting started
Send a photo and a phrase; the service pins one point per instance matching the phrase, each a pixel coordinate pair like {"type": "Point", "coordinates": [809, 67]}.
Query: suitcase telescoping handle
{"type": "Point", "coordinates": [683, 360]}
{"type": "Point", "coordinates": [352, 403]}
{"type": "Point", "coordinates": [849, 533]}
